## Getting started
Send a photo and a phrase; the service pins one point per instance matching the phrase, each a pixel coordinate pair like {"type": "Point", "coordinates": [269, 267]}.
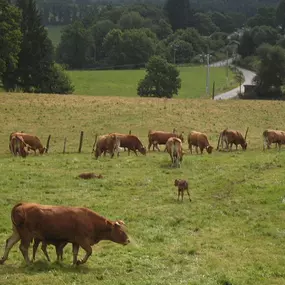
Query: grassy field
{"type": "Point", "coordinates": [232, 232]}
{"type": "Point", "coordinates": [124, 82]}
{"type": "Point", "coordinates": [54, 33]}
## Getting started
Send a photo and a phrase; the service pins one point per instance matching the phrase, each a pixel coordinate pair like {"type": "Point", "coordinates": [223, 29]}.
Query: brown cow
{"type": "Point", "coordinates": [158, 137]}
{"type": "Point", "coordinates": [273, 136]}
{"type": "Point", "coordinates": [31, 140]}
{"type": "Point", "coordinates": [131, 142]}
{"type": "Point", "coordinates": [107, 143]}
{"type": "Point", "coordinates": [231, 137]}
{"type": "Point", "coordinates": [174, 148]}
{"type": "Point", "coordinates": [18, 146]}
{"type": "Point", "coordinates": [200, 140]}
{"type": "Point", "coordinates": [59, 245]}
{"type": "Point", "coordinates": [80, 226]}
{"type": "Point", "coordinates": [182, 185]}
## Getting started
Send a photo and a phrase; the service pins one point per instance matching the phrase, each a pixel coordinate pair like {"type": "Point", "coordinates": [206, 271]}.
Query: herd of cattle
{"type": "Point", "coordinates": [59, 225]}
{"type": "Point", "coordinates": [22, 143]}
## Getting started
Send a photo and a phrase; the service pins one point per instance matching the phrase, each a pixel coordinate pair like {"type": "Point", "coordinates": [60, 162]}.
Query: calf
{"type": "Point", "coordinates": [18, 146]}
{"type": "Point", "coordinates": [200, 140]}
{"type": "Point", "coordinates": [273, 136]}
{"type": "Point", "coordinates": [182, 185]}
{"type": "Point", "coordinates": [158, 137]}
{"type": "Point", "coordinates": [80, 226]}
{"type": "Point", "coordinates": [89, 175]}
{"type": "Point", "coordinates": [174, 148]}
{"type": "Point", "coordinates": [59, 245]}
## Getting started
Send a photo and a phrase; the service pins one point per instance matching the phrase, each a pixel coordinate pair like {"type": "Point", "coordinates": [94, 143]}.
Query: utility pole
{"type": "Point", "coordinates": [208, 73]}
{"type": "Point", "coordinates": [227, 67]}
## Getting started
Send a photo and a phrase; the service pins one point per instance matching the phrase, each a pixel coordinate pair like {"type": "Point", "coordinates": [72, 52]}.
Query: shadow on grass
{"type": "Point", "coordinates": [44, 266]}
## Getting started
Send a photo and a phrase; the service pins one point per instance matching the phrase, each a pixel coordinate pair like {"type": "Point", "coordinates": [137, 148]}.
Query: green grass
{"type": "Point", "coordinates": [54, 33]}
{"type": "Point", "coordinates": [232, 232]}
{"type": "Point", "coordinates": [124, 82]}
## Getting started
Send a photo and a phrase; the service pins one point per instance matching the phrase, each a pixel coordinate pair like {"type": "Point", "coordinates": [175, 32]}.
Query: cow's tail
{"type": "Point", "coordinates": [18, 215]}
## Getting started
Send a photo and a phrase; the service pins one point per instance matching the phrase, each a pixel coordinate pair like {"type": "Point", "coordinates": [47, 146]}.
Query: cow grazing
{"type": "Point", "coordinates": [32, 141]}
{"type": "Point", "coordinates": [17, 146]}
{"type": "Point", "coordinates": [200, 140]}
{"type": "Point", "coordinates": [231, 137]}
{"type": "Point", "coordinates": [174, 148]}
{"type": "Point", "coordinates": [89, 175]}
{"type": "Point", "coordinates": [80, 226]}
{"type": "Point", "coordinates": [273, 136]}
{"type": "Point", "coordinates": [131, 142]}
{"type": "Point", "coordinates": [182, 185]}
{"type": "Point", "coordinates": [107, 143]}
{"type": "Point", "coordinates": [59, 245]}
{"type": "Point", "coordinates": [158, 137]}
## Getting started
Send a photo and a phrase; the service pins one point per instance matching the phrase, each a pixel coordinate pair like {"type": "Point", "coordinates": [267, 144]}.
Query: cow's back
{"type": "Point", "coordinates": [160, 137]}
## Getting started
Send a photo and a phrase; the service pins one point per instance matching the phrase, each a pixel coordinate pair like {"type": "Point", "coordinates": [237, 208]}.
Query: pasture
{"type": "Point", "coordinates": [124, 82]}
{"type": "Point", "coordinates": [233, 231]}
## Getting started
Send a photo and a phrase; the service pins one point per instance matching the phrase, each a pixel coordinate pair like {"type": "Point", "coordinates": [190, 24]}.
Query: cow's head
{"type": "Point", "coordinates": [176, 182]}
{"type": "Point", "coordinates": [118, 233]}
{"type": "Point", "coordinates": [42, 150]}
{"type": "Point", "coordinates": [244, 145]}
{"type": "Point", "coordinates": [209, 149]}
{"type": "Point", "coordinates": [142, 150]}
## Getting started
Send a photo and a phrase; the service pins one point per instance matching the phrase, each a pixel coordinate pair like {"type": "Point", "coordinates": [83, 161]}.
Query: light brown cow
{"type": "Point", "coordinates": [18, 146]}
{"type": "Point", "coordinates": [174, 148]}
{"type": "Point", "coordinates": [80, 226]}
{"type": "Point", "coordinates": [273, 136]}
{"type": "Point", "coordinates": [107, 143]}
{"type": "Point", "coordinates": [59, 245]}
{"type": "Point", "coordinates": [182, 185]}
{"type": "Point", "coordinates": [200, 140]}
{"type": "Point", "coordinates": [231, 137]}
{"type": "Point", "coordinates": [31, 140]}
{"type": "Point", "coordinates": [158, 137]}
{"type": "Point", "coordinates": [131, 142]}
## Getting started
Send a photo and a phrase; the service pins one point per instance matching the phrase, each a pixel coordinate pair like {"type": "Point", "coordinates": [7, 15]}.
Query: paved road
{"type": "Point", "coordinates": [248, 76]}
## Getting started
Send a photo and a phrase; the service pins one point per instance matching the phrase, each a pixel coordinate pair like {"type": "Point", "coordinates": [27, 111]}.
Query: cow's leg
{"type": "Point", "coordinates": [279, 146]}
{"type": "Point", "coordinates": [86, 246]}
{"type": "Point", "coordinates": [201, 150]}
{"type": "Point", "coordinates": [10, 242]}
{"type": "Point", "coordinates": [44, 250]}
{"type": "Point", "coordinates": [75, 249]}
{"type": "Point", "coordinates": [35, 247]}
{"type": "Point", "coordinates": [149, 146]}
{"type": "Point", "coordinates": [190, 147]}
{"type": "Point", "coordinates": [135, 151]}
{"type": "Point", "coordinates": [182, 194]}
{"type": "Point", "coordinates": [188, 194]}
{"type": "Point", "coordinates": [59, 250]}
{"type": "Point", "coordinates": [24, 248]}
{"type": "Point", "coordinates": [231, 146]}
{"type": "Point", "coordinates": [236, 146]}
{"type": "Point", "coordinates": [178, 194]}
{"type": "Point", "coordinates": [196, 148]}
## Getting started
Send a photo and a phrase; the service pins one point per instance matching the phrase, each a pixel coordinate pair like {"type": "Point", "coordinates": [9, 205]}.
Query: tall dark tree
{"type": "Point", "coordinates": [10, 36]}
{"type": "Point", "coordinates": [178, 12]}
{"type": "Point", "coordinates": [36, 66]}
{"type": "Point", "coordinates": [280, 14]}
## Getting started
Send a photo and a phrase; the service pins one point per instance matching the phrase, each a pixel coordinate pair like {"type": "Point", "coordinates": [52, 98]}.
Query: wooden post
{"type": "Point", "coordinates": [213, 94]}
{"type": "Point", "coordinates": [246, 133]}
{"type": "Point", "coordinates": [94, 143]}
{"type": "Point", "coordinates": [80, 141]}
{"type": "Point", "coordinates": [64, 145]}
{"type": "Point", "coordinates": [130, 132]}
{"type": "Point", "coordinates": [47, 145]}
{"type": "Point", "coordinates": [218, 146]}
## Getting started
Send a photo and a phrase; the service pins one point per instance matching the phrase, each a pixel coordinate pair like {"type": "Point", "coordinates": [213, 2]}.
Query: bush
{"type": "Point", "coordinates": [58, 81]}
{"type": "Point", "coordinates": [162, 79]}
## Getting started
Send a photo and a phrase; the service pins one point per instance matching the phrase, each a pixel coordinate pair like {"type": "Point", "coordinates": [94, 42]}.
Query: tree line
{"type": "Point", "coordinates": [128, 35]}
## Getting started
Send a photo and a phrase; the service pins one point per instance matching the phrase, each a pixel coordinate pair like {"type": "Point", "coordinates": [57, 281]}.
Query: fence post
{"type": "Point", "coordinates": [80, 141]}
{"type": "Point", "coordinates": [213, 94]}
{"type": "Point", "coordinates": [64, 145]}
{"type": "Point", "coordinates": [47, 145]}
{"type": "Point", "coordinates": [130, 132]}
